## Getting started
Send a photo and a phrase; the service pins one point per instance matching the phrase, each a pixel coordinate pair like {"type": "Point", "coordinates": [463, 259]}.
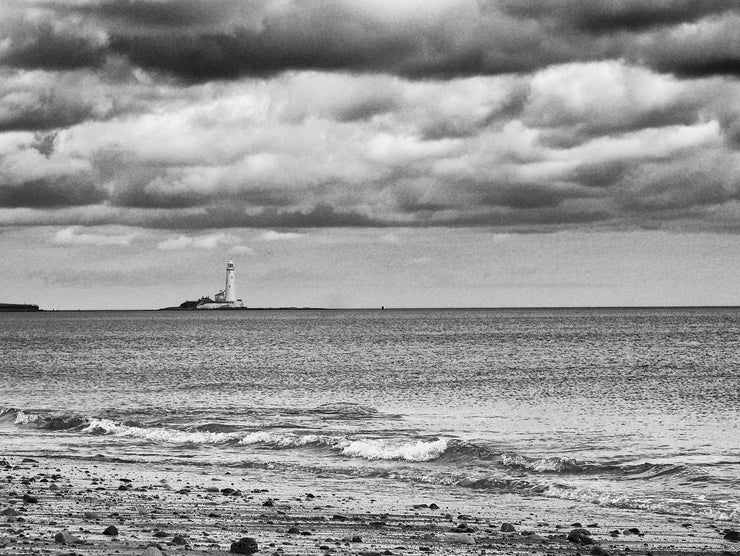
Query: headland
{"type": "Point", "coordinates": [18, 308]}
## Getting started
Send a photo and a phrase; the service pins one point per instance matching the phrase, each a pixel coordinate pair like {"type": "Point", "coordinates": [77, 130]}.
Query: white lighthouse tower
{"type": "Point", "coordinates": [226, 298]}
{"type": "Point", "coordinates": [230, 291]}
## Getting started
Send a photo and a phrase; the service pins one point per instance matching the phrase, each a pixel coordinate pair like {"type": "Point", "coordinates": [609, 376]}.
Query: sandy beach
{"type": "Point", "coordinates": [203, 511]}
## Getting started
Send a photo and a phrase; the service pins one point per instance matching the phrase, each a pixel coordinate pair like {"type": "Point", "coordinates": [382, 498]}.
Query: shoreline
{"type": "Point", "coordinates": [202, 510]}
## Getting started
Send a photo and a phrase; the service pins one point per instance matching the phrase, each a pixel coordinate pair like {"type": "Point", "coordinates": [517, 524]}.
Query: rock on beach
{"type": "Point", "coordinates": [245, 545]}
{"type": "Point", "coordinates": [65, 537]}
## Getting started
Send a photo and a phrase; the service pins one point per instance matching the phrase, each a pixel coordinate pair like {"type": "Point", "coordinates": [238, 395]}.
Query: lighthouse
{"type": "Point", "coordinates": [230, 291]}
{"type": "Point", "coordinates": [226, 298]}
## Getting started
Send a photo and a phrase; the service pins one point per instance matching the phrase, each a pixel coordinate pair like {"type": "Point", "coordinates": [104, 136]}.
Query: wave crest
{"type": "Point", "coordinates": [375, 449]}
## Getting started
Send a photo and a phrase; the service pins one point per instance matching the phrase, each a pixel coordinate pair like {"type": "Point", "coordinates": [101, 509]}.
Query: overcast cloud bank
{"type": "Point", "coordinates": [522, 115]}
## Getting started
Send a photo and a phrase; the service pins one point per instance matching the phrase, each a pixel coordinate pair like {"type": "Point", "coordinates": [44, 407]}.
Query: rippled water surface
{"type": "Point", "coordinates": [616, 407]}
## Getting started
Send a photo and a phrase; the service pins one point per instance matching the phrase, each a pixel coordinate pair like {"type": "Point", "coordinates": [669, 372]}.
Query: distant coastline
{"type": "Point", "coordinates": [18, 308]}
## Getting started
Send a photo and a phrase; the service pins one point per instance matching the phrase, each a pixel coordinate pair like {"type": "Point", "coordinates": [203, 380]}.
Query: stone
{"type": "Point", "coordinates": [179, 541]}
{"type": "Point", "coordinates": [507, 528]}
{"type": "Point", "coordinates": [580, 536]}
{"type": "Point", "coordinates": [356, 538]}
{"type": "Point", "coordinates": [631, 531]}
{"type": "Point", "coordinates": [433, 506]}
{"type": "Point", "coordinates": [598, 551]}
{"type": "Point", "coordinates": [65, 537]}
{"type": "Point", "coordinates": [294, 530]}
{"type": "Point", "coordinates": [245, 545]}
{"type": "Point", "coordinates": [111, 531]}
{"type": "Point", "coordinates": [151, 551]}
{"type": "Point", "coordinates": [28, 499]}
{"type": "Point", "coordinates": [458, 538]}
{"type": "Point", "coordinates": [9, 511]}
{"type": "Point", "coordinates": [732, 536]}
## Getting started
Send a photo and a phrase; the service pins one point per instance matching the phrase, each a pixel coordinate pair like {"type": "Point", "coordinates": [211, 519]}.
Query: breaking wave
{"type": "Point", "coordinates": [448, 451]}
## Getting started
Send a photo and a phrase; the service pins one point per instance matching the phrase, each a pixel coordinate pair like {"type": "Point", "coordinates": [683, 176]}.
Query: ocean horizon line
{"type": "Point", "coordinates": [387, 308]}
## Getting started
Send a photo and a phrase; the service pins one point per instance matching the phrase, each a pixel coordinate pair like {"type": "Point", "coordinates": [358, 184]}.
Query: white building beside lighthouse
{"type": "Point", "coordinates": [226, 298]}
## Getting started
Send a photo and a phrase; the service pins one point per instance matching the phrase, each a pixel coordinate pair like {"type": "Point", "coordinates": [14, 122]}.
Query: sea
{"type": "Point", "coordinates": [627, 408]}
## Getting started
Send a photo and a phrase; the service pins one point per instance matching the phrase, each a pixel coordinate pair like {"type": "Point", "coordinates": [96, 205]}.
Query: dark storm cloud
{"type": "Point", "coordinates": [607, 16]}
{"type": "Point", "coordinates": [50, 192]}
{"type": "Point", "coordinates": [199, 40]}
{"type": "Point", "coordinates": [172, 13]}
{"type": "Point", "coordinates": [44, 111]}
{"type": "Point", "coordinates": [44, 47]}
{"type": "Point", "coordinates": [527, 196]}
{"type": "Point", "coordinates": [200, 57]}
{"type": "Point", "coordinates": [702, 68]}
{"type": "Point", "coordinates": [601, 175]}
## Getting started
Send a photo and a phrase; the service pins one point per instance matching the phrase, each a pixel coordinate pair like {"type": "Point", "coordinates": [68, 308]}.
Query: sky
{"type": "Point", "coordinates": [405, 153]}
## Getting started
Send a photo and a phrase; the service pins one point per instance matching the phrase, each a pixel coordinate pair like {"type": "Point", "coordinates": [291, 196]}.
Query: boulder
{"type": "Point", "coordinates": [732, 536]}
{"type": "Point", "coordinates": [65, 537]}
{"type": "Point", "coordinates": [580, 536]}
{"type": "Point", "coordinates": [111, 531]}
{"type": "Point", "coordinates": [245, 545]}
{"type": "Point", "coordinates": [507, 528]}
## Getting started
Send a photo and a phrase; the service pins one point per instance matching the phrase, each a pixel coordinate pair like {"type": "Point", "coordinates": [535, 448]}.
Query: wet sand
{"type": "Point", "coordinates": [190, 510]}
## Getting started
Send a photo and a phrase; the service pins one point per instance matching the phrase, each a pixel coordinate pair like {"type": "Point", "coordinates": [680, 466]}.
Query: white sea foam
{"type": "Point", "coordinates": [156, 434]}
{"type": "Point", "coordinates": [285, 440]}
{"type": "Point", "coordinates": [556, 464]}
{"type": "Point", "coordinates": [23, 418]}
{"type": "Point", "coordinates": [382, 449]}
{"type": "Point", "coordinates": [371, 449]}
{"type": "Point", "coordinates": [666, 505]}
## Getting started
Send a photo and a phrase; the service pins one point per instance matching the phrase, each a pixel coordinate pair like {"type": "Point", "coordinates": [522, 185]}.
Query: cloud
{"type": "Point", "coordinates": [242, 250]}
{"type": "Point", "coordinates": [73, 237]}
{"type": "Point", "coordinates": [390, 239]}
{"type": "Point", "coordinates": [272, 235]}
{"type": "Point", "coordinates": [608, 16]}
{"type": "Point", "coordinates": [280, 115]}
{"type": "Point", "coordinates": [48, 45]}
{"type": "Point", "coordinates": [36, 100]}
{"type": "Point", "coordinates": [208, 241]}
{"type": "Point", "coordinates": [199, 41]}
